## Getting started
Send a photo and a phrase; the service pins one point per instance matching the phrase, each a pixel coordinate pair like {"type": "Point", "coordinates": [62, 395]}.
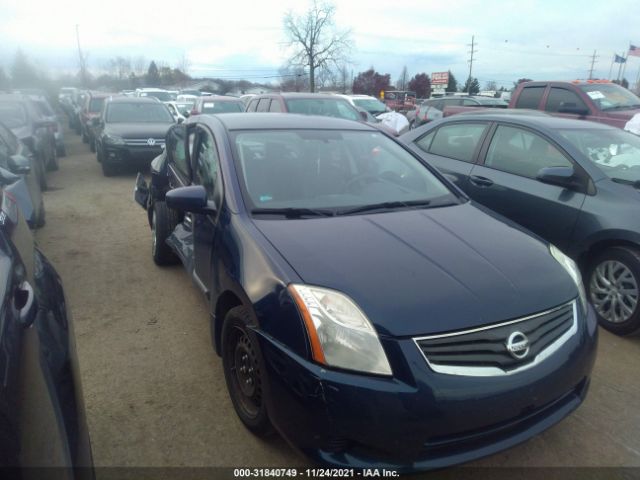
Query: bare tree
{"type": "Point", "coordinates": [403, 80]}
{"type": "Point", "coordinates": [344, 78]}
{"type": "Point", "coordinates": [315, 40]}
{"type": "Point", "coordinates": [491, 85]}
{"type": "Point", "coordinates": [184, 63]}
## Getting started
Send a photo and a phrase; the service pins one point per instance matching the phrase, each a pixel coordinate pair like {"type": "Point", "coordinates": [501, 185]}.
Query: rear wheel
{"type": "Point", "coordinates": [61, 150]}
{"type": "Point", "coordinates": [163, 221]}
{"type": "Point", "coordinates": [244, 371]}
{"type": "Point", "coordinates": [92, 145]}
{"type": "Point", "coordinates": [85, 138]}
{"type": "Point", "coordinates": [99, 152]}
{"type": "Point", "coordinates": [613, 283]}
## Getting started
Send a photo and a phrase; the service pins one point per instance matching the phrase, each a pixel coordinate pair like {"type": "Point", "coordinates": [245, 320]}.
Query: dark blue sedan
{"type": "Point", "coordinates": [362, 305]}
{"type": "Point", "coordinates": [572, 182]}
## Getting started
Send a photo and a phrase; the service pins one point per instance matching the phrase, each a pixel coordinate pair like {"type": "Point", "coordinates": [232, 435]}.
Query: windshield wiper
{"type": "Point", "coordinates": [293, 212]}
{"type": "Point", "coordinates": [384, 206]}
{"type": "Point", "coordinates": [624, 181]}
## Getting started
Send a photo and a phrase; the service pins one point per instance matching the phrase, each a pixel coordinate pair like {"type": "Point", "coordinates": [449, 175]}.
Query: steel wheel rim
{"type": "Point", "coordinates": [614, 291]}
{"type": "Point", "coordinates": [245, 373]}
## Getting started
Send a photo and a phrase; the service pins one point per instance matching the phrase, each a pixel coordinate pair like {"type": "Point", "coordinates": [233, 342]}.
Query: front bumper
{"type": "Point", "coordinates": [126, 154]}
{"type": "Point", "coordinates": [420, 419]}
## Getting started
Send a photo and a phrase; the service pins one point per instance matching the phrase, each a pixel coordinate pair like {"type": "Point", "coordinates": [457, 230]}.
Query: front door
{"type": "Point", "coordinates": [506, 183]}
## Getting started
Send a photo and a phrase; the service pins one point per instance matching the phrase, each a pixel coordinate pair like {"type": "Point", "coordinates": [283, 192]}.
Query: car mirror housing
{"type": "Point", "coordinates": [190, 199]}
{"type": "Point", "coordinates": [19, 164]}
{"type": "Point", "coordinates": [561, 176]}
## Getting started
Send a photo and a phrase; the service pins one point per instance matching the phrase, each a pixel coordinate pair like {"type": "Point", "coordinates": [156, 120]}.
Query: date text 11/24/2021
{"type": "Point", "coordinates": [314, 473]}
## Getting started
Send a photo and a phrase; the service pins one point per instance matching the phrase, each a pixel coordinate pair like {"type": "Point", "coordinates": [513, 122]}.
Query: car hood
{"type": "Point", "coordinates": [138, 130]}
{"type": "Point", "coordinates": [418, 272]}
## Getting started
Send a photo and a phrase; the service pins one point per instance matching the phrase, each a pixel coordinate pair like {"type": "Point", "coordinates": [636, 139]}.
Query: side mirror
{"type": "Point", "coordinates": [180, 119]}
{"type": "Point", "coordinates": [190, 199]}
{"type": "Point", "coordinates": [7, 178]}
{"type": "Point", "coordinates": [560, 176]}
{"type": "Point", "coordinates": [571, 107]}
{"type": "Point", "coordinates": [19, 164]}
{"type": "Point", "coordinates": [364, 116]}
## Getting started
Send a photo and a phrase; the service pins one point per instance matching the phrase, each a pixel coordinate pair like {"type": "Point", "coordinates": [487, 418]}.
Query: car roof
{"type": "Point", "coordinates": [123, 99]}
{"type": "Point", "coordinates": [282, 121]}
{"type": "Point", "coordinates": [541, 121]}
{"type": "Point", "coordinates": [302, 95]}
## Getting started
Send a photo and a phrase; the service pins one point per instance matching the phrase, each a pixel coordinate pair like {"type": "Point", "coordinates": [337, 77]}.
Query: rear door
{"type": "Point", "coordinates": [452, 148]}
{"type": "Point", "coordinates": [505, 181]}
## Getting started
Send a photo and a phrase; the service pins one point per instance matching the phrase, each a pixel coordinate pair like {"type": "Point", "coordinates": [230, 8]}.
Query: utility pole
{"type": "Point", "coordinates": [83, 68]}
{"type": "Point", "coordinates": [472, 52]}
{"type": "Point", "coordinates": [593, 61]}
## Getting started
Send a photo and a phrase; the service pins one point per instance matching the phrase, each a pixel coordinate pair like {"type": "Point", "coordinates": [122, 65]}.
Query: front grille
{"type": "Point", "coordinates": [144, 142]}
{"type": "Point", "coordinates": [484, 351]}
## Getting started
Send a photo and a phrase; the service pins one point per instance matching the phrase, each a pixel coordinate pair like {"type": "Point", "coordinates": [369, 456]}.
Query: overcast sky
{"type": "Point", "coordinates": [245, 39]}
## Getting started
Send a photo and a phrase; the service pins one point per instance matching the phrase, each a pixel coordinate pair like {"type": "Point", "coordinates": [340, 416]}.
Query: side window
{"type": "Point", "coordinates": [252, 106]}
{"type": "Point", "coordinates": [207, 167]}
{"type": "Point", "coordinates": [469, 102]}
{"type": "Point", "coordinates": [530, 97]}
{"type": "Point", "coordinates": [424, 142]}
{"type": "Point", "coordinates": [275, 106]}
{"type": "Point", "coordinates": [523, 153]}
{"type": "Point", "coordinates": [176, 149]}
{"type": "Point", "coordinates": [263, 105]}
{"type": "Point", "coordinates": [559, 97]}
{"type": "Point", "coordinates": [458, 140]}
{"type": "Point", "coordinates": [451, 102]}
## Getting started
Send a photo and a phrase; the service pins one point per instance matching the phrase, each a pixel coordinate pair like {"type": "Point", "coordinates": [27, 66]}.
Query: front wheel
{"type": "Point", "coordinates": [244, 371]}
{"type": "Point", "coordinates": [163, 221]}
{"type": "Point", "coordinates": [613, 283]}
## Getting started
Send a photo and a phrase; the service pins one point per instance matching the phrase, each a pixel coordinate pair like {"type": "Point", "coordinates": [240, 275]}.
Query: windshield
{"type": "Point", "coordinates": [616, 152]}
{"type": "Point", "coordinates": [610, 96]}
{"type": "Point", "coordinates": [138, 112]}
{"type": "Point", "coordinates": [184, 107]}
{"type": "Point", "coordinates": [371, 105]}
{"type": "Point", "coordinates": [326, 107]}
{"type": "Point", "coordinates": [162, 96]}
{"type": "Point", "coordinates": [13, 114]}
{"type": "Point", "coordinates": [327, 169]}
{"type": "Point", "coordinates": [96, 104]}
{"type": "Point", "coordinates": [222, 107]}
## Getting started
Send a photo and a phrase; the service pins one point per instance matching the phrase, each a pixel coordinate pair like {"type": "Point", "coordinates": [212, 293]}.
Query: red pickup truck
{"type": "Point", "coordinates": [596, 100]}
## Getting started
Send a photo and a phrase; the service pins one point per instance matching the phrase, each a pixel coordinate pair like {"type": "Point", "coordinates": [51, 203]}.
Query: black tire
{"type": "Point", "coordinates": [108, 168]}
{"type": "Point", "coordinates": [163, 221]}
{"type": "Point", "coordinates": [99, 152]}
{"type": "Point", "coordinates": [42, 175]}
{"type": "Point", "coordinates": [601, 292]}
{"type": "Point", "coordinates": [52, 165]}
{"type": "Point", "coordinates": [41, 218]}
{"type": "Point", "coordinates": [244, 371]}
{"type": "Point", "coordinates": [92, 145]}
{"type": "Point", "coordinates": [61, 151]}
{"type": "Point", "coordinates": [85, 138]}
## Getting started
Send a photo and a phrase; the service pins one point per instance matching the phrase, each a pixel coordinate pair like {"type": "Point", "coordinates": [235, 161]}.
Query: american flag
{"type": "Point", "coordinates": [633, 50]}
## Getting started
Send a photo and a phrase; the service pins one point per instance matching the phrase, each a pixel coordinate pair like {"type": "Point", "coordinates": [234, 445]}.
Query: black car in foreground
{"type": "Point", "coordinates": [572, 182]}
{"type": "Point", "coordinates": [130, 132]}
{"type": "Point", "coordinates": [361, 304]}
{"type": "Point", "coordinates": [42, 417]}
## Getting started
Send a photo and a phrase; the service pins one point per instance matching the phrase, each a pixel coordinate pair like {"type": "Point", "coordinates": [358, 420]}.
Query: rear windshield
{"type": "Point", "coordinates": [326, 107]}
{"type": "Point", "coordinates": [222, 107]}
{"type": "Point", "coordinates": [96, 104]}
{"type": "Point", "coordinates": [138, 112]}
{"type": "Point", "coordinates": [162, 96]}
{"type": "Point", "coordinates": [371, 105]}
{"type": "Point", "coordinates": [13, 114]}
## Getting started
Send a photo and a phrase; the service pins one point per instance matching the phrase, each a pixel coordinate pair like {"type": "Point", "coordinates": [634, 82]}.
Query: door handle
{"type": "Point", "coordinates": [480, 181]}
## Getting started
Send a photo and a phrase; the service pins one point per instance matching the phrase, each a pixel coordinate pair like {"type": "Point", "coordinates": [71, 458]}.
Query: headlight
{"type": "Point", "coordinates": [113, 140]}
{"type": "Point", "coordinates": [341, 335]}
{"type": "Point", "coordinates": [573, 270]}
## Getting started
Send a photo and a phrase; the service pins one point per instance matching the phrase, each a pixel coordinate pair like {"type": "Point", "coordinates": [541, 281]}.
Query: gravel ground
{"type": "Point", "coordinates": [154, 389]}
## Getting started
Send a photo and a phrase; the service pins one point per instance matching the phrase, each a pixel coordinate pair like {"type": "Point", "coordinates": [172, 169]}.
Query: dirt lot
{"type": "Point", "coordinates": [154, 389]}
